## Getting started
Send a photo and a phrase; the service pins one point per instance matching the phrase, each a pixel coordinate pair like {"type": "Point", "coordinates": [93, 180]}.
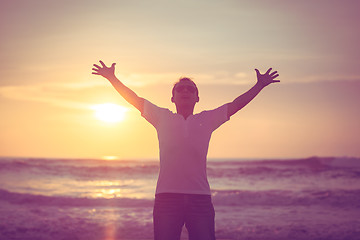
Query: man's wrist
{"type": "Point", "coordinates": [260, 85]}
{"type": "Point", "coordinates": [111, 78]}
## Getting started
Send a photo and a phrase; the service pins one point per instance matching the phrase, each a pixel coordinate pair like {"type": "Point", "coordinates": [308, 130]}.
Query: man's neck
{"type": "Point", "coordinates": [185, 111]}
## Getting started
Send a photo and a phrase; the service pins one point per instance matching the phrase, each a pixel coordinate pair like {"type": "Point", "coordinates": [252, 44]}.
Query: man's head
{"type": "Point", "coordinates": [185, 92]}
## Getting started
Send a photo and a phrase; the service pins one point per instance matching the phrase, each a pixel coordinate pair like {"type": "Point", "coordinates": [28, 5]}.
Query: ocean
{"type": "Point", "coordinates": [310, 198]}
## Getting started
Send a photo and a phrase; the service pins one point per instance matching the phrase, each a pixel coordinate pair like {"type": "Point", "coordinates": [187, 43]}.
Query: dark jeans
{"type": "Point", "coordinates": [173, 210]}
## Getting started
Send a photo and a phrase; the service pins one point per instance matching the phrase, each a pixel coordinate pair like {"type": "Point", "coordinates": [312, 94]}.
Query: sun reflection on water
{"type": "Point", "coordinates": [110, 232]}
{"type": "Point", "coordinates": [118, 189]}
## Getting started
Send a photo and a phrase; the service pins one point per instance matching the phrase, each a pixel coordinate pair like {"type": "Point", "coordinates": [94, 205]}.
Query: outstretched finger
{"type": "Point", "coordinates": [95, 73]}
{"type": "Point", "coordinates": [275, 76]}
{"type": "Point", "coordinates": [102, 63]}
{"type": "Point", "coordinates": [267, 72]}
{"type": "Point", "coordinates": [275, 81]}
{"type": "Point", "coordinates": [273, 73]}
{"type": "Point", "coordinates": [97, 66]}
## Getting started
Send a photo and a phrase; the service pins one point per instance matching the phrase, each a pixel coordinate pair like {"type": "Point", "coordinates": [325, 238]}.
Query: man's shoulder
{"type": "Point", "coordinates": [151, 106]}
{"type": "Point", "coordinates": [218, 110]}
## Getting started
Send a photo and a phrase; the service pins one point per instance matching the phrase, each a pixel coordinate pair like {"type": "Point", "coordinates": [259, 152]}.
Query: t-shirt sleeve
{"type": "Point", "coordinates": [152, 113]}
{"type": "Point", "coordinates": [217, 117]}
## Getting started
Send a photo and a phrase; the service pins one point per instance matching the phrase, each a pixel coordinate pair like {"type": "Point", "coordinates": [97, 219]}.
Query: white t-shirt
{"type": "Point", "coordinates": [183, 147]}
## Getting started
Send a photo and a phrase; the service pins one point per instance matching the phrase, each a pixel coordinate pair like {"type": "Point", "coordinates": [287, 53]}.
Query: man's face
{"type": "Point", "coordinates": [185, 94]}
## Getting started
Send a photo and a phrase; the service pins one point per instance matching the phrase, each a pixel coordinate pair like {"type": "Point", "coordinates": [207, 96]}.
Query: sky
{"type": "Point", "coordinates": [48, 95]}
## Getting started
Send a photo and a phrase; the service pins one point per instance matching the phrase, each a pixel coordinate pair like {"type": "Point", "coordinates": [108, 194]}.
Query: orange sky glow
{"type": "Point", "coordinates": [48, 94]}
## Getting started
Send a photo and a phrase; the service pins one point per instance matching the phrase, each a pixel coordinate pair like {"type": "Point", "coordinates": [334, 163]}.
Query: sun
{"type": "Point", "coordinates": [109, 112]}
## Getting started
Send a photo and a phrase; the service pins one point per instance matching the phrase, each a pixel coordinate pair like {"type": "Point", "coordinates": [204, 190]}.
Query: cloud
{"type": "Point", "coordinates": [83, 94]}
{"type": "Point", "coordinates": [327, 78]}
{"type": "Point", "coordinates": [61, 95]}
{"type": "Point", "coordinates": [215, 78]}
{"type": "Point", "coordinates": [80, 95]}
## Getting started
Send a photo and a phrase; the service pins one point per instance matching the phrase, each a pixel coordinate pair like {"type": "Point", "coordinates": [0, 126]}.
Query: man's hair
{"type": "Point", "coordinates": [185, 79]}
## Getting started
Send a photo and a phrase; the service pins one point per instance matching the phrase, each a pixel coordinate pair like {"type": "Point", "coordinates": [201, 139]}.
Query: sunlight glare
{"type": "Point", "coordinates": [110, 158]}
{"type": "Point", "coordinates": [109, 112]}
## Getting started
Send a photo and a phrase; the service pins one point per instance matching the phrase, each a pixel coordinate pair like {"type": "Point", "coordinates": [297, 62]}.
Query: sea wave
{"type": "Point", "coordinates": [65, 201]}
{"type": "Point", "coordinates": [333, 198]}
{"type": "Point", "coordinates": [80, 168]}
{"type": "Point", "coordinates": [347, 167]}
{"type": "Point", "coordinates": [314, 162]}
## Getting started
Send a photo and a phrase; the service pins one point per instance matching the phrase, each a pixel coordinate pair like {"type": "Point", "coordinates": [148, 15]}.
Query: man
{"type": "Point", "coordinates": [183, 193]}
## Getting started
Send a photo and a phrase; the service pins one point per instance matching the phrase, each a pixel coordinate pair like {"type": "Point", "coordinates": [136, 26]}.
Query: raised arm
{"type": "Point", "coordinates": [262, 81]}
{"type": "Point", "coordinates": [129, 95]}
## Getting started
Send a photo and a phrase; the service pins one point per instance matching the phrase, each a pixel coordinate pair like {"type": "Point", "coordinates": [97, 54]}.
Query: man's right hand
{"type": "Point", "coordinates": [106, 72]}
